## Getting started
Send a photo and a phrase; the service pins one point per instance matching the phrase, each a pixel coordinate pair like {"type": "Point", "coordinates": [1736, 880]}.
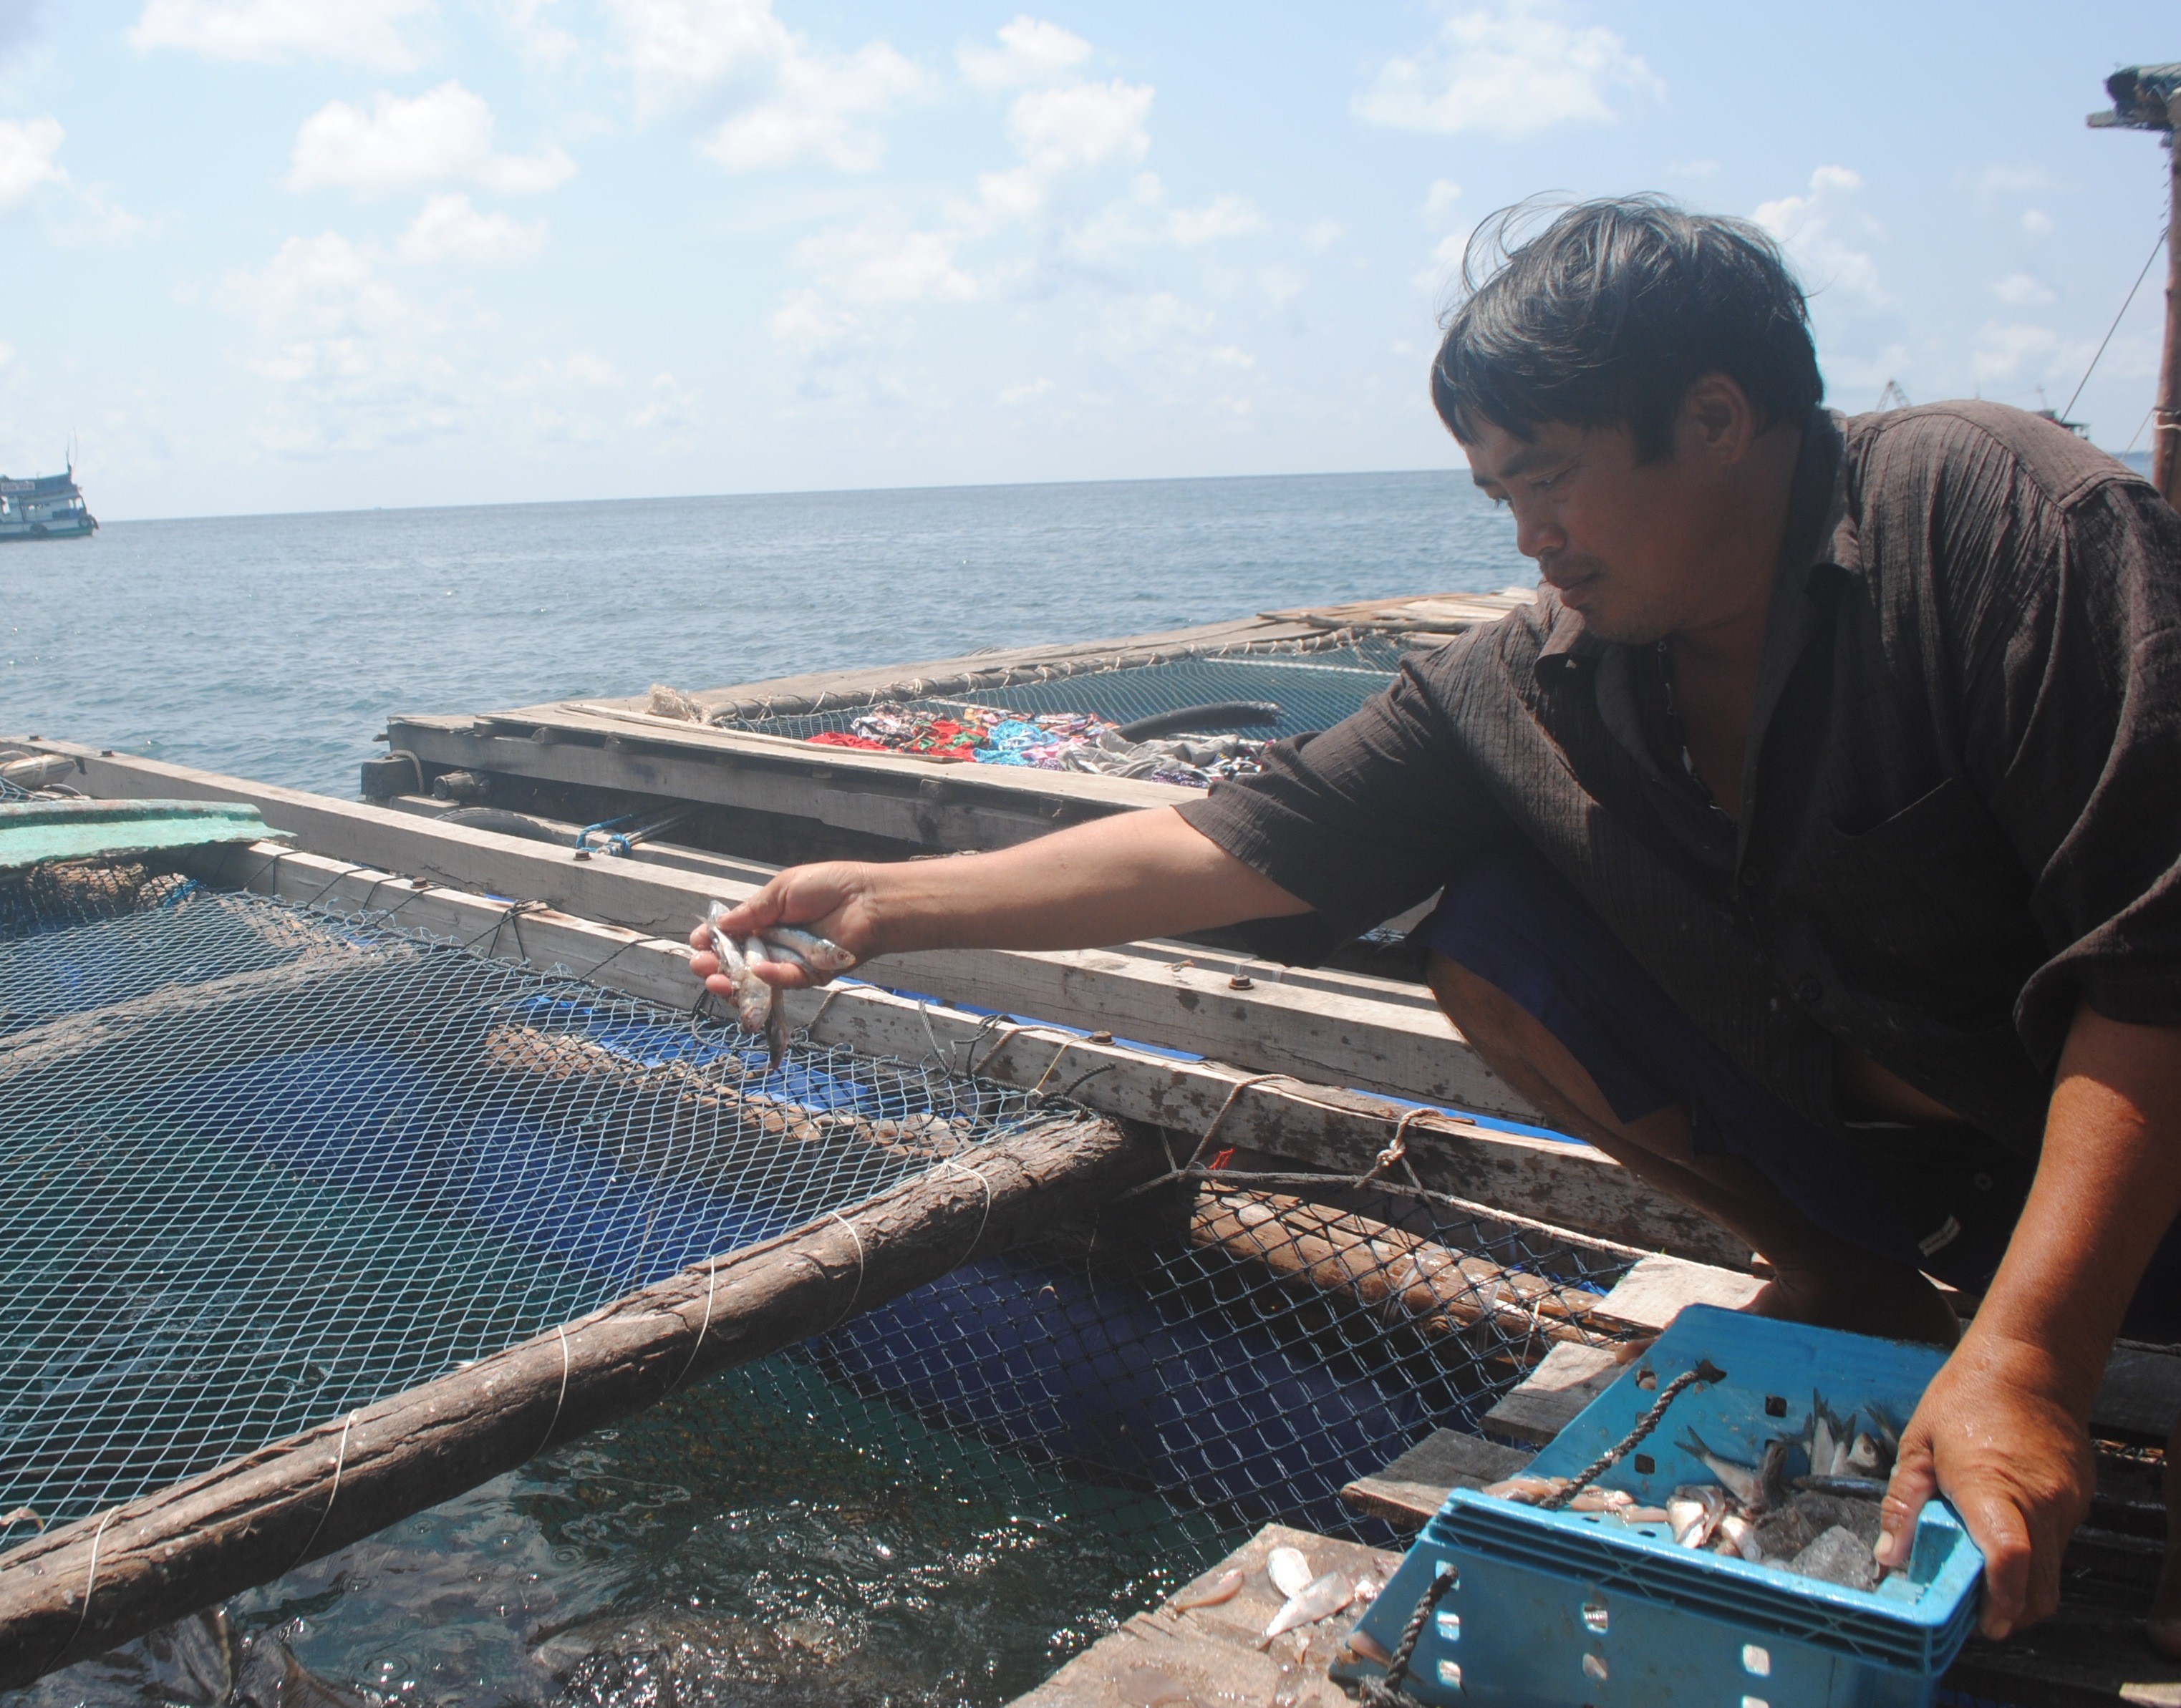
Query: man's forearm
{"type": "Point", "coordinates": [2108, 1186]}
{"type": "Point", "coordinates": [1135, 874]}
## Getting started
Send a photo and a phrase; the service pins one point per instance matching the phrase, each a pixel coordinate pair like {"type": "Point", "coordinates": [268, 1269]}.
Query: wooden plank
{"type": "Point", "coordinates": [1411, 1489]}
{"type": "Point", "coordinates": [1210, 1655]}
{"type": "Point", "coordinates": [83, 1588]}
{"type": "Point", "coordinates": [1651, 1295]}
{"type": "Point", "coordinates": [946, 809]}
{"type": "Point", "coordinates": [1547, 1401]}
{"type": "Point", "coordinates": [1570, 1186]}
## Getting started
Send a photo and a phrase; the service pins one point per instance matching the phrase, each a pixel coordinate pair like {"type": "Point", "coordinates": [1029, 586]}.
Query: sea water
{"type": "Point", "coordinates": [275, 646]}
{"type": "Point", "coordinates": [766, 1537]}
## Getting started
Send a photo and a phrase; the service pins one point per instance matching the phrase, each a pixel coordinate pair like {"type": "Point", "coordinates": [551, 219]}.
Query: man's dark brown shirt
{"type": "Point", "coordinates": [1962, 810]}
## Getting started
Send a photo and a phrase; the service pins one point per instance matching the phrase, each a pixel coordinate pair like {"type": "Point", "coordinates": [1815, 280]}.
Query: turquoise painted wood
{"type": "Point", "coordinates": [32, 832]}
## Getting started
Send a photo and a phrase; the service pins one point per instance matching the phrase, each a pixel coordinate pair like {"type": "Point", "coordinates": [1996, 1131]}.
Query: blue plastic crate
{"type": "Point", "coordinates": [1580, 1610]}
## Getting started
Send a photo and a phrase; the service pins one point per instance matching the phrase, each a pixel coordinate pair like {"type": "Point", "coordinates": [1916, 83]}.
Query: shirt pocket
{"type": "Point", "coordinates": [1928, 906]}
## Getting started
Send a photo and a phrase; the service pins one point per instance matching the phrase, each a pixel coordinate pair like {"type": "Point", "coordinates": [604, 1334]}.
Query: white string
{"type": "Point", "coordinates": [340, 1460]}
{"type": "Point", "coordinates": [90, 1582]}
{"type": "Point", "coordinates": [856, 1292]}
{"type": "Point", "coordinates": [555, 1423]}
{"type": "Point", "coordinates": [711, 1288]}
{"type": "Point", "coordinates": [949, 1162]}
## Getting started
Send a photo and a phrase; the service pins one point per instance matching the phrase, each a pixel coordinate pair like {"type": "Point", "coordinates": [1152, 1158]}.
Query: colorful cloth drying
{"type": "Point", "coordinates": [1041, 740]}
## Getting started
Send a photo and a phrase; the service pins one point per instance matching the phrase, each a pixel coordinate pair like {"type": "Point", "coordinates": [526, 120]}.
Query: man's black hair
{"type": "Point", "coordinates": [1608, 316]}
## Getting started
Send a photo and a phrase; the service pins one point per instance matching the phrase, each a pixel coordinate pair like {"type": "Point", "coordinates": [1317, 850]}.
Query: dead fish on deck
{"type": "Point", "coordinates": [1217, 1592]}
{"type": "Point", "coordinates": [1321, 1599]}
{"type": "Point", "coordinates": [1289, 1570]}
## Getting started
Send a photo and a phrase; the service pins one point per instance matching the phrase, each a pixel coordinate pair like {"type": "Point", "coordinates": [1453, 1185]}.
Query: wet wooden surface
{"type": "Point", "coordinates": [1209, 1657]}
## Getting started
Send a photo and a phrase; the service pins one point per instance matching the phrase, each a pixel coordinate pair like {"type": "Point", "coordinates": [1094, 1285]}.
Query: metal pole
{"type": "Point", "coordinates": [2166, 432]}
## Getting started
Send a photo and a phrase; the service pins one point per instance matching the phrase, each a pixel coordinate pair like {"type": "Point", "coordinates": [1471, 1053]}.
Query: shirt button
{"type": "Point", "coordinates": [1751, 877]}
{"type": "Point", "coordinates": [1809, 993]}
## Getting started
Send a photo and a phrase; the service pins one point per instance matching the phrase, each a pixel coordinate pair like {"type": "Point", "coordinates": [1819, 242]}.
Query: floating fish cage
{"type": "Point", "coordinates": [310, 1218]}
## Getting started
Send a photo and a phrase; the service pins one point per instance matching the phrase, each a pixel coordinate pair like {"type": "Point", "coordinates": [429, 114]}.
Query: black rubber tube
{"type": "Point", "coordinates": [506, 823]}
{"type": "Point", "coordinates": [1240, 714]}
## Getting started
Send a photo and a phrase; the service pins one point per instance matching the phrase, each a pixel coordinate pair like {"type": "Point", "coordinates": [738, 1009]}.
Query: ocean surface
{"type": "Point", "coordinates": [275, 646]}
{"type": "Point", "coordinates": [766, 1538]}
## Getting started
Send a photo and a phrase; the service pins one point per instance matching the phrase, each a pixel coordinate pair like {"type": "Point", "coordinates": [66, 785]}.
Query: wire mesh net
{"type": "Point", "coordinates": [1314, 690]}
{"type": "Point", "coordinates": [261, 1163]}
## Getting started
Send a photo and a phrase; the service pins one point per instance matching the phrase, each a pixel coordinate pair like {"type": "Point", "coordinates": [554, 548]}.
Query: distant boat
{"type": "Point", "coordinates": [44, 507]}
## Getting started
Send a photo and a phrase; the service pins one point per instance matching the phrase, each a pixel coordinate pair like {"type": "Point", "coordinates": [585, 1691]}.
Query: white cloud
{"type": "Point", "coordinates": [1081, 124]}
{"type": "Point", "coordinates": [1439, 200]}
{"type": "Point", "coordinates": [2036, 221]}
{"type": "Point", "coordinates": [6, 353]}
{"type": "Point", "coordinates": [1822, 231]}
{"type": "Point", "coordinates": [787, 100]}
{"type": "Point", "coordinates": [447, 228]}
{"type": "Point", "coordinates": [882, 260]}
{"type": "Point", "coordinates": [1030, 51]}
{"type": "Point", "coordinates": [30, 159]}
{"type": "Point", "coordinates": [1225, 216]}
{"type": "Point", "coordinates": [806, 322]}
{"type": "Point", "coordinates": [814, 112]}
{"type": "Point", "coordinates": [1508, 68]}
{"type": "Point", "coordinates": [443, 135]}
{"type": "Point", "coordinates": [1321, 234]}
{"type": "Point", "coordinates": [1014, 396]}
{"type": "Point", "coordinates": [2013, 351]}
{"type": "Point", "coordinates": [381, 33]}
{"type": "Point", "coordinates": [672, 404]}
{"type": "Point", "coordinates": [2021, 290]}
{"type": "Point", "coordinates": [1692, 168]}
{"type": "Point", "coordinates": [537, 35]}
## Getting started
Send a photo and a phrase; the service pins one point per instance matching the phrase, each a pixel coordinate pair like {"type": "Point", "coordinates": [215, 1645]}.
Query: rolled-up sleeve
{"type": "Point", "coordinates": [1365, 818]}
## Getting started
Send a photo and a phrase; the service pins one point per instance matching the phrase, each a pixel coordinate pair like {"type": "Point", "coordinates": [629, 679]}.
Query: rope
{"type": "Point", "coordinates": [562, 1399]}
{"type": "Point", "coordinates": [1705, 1371]}
{"type": "Point", "coordinates": [340, 1461]}
{"type": "Point", "coordinates": [857, 1291]}
{"type": "Point", "coordinates": [2115, 327]}
{"type": "Point", "coordinates": [949, 1162]}
{"type": "Point", "coordinates": [711, 1289]}
{"type": "Point", "coordinates": [1387, 1692]}
{"type": "Point", "coordinates": [90, 1583]}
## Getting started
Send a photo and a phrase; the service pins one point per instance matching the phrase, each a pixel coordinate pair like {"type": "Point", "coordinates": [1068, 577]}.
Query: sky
{"type": "Point", "coordinates": [283, 255]}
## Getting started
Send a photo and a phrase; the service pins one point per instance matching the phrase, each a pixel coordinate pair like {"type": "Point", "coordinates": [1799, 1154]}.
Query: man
{"type": "Point", "coordinates": [1812, 848]}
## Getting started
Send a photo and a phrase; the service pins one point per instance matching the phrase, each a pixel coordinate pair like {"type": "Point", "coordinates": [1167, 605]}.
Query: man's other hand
{"type": "Point", "coordinates": [2015, 1461]}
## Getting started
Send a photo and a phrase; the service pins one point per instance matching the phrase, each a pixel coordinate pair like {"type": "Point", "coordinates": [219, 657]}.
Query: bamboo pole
{"type": "Point", "coordinates": [2165, 425]}
{"type": "Point", "coordinates": [78, 1591]}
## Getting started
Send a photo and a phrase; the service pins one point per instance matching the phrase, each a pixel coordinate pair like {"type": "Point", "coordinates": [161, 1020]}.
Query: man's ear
{"type": "Point", "coordinates": [1717, 421]}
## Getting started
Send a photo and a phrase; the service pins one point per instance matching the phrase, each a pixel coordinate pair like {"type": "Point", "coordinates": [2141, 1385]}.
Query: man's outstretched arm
{"type": "Point", "coordinates": [2003, 1429]}
{"type": "Point", "coordinates": [1136, 875]}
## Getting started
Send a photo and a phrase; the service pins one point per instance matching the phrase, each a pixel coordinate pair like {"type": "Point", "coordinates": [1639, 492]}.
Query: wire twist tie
{"type": "Point", "coordinates": [857, 1291]}
{"type": "Point", "coordinates": [949, 1162]}
{"type": "Point", "coordinates": [562, 1331]}
{"type": "Point", "coordinates": [340, 1462]}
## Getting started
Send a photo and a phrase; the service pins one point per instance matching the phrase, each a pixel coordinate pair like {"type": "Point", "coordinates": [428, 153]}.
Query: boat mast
{"type": "Point", "coordinates": [2148, 97]}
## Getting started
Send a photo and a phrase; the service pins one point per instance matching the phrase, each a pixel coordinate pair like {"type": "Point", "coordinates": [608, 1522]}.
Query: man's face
{"type": "Point", "coordinates": [1633, 546]}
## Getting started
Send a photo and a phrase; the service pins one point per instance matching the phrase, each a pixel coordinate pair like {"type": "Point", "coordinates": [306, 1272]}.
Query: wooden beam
{"type": "Point", "coordinates": [1568, 1186]}
{"type": "Point", "coordinates": [81, 1589]}
{"type": "Point", "coordinates": [1410, 1491]}
{"type": "Point", "coordinates": [1343, 1030]}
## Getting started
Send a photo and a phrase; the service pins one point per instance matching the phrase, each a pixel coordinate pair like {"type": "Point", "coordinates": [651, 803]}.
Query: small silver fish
{"type": "Point", "coordinates": [1321, 1599]}
{"type": "Point", "coordinates": [1289, 1570]}
{"type": "Point", "coordinates": [756, 1004]}
{"type": "Point", "coordinates": [1743, 1482]}
{"type": "Point", "coordinates": [820, 955]}
{"type": "Point", "coordinates": [1855, 1488]}
{"type": "Point", "coordinates": [1695, 1511]}
{"type": "Point", "coordinates": [1217, 1592]}
{"type": "Point", "coordinates": [1866, 1457]}
{"type": "Point", "coordinates": [1739, 1536]}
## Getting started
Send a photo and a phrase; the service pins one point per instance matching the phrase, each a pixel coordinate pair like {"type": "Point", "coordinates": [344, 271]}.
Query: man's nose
{"type": "Point", "coordinates": [1536, 534]}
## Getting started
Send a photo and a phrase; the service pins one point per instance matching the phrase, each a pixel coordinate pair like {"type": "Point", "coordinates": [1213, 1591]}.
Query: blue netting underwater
{"type": "Point", "coordinates": [1314, 690]}
{"type": "Point", "coordinates": [260, 1164]}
